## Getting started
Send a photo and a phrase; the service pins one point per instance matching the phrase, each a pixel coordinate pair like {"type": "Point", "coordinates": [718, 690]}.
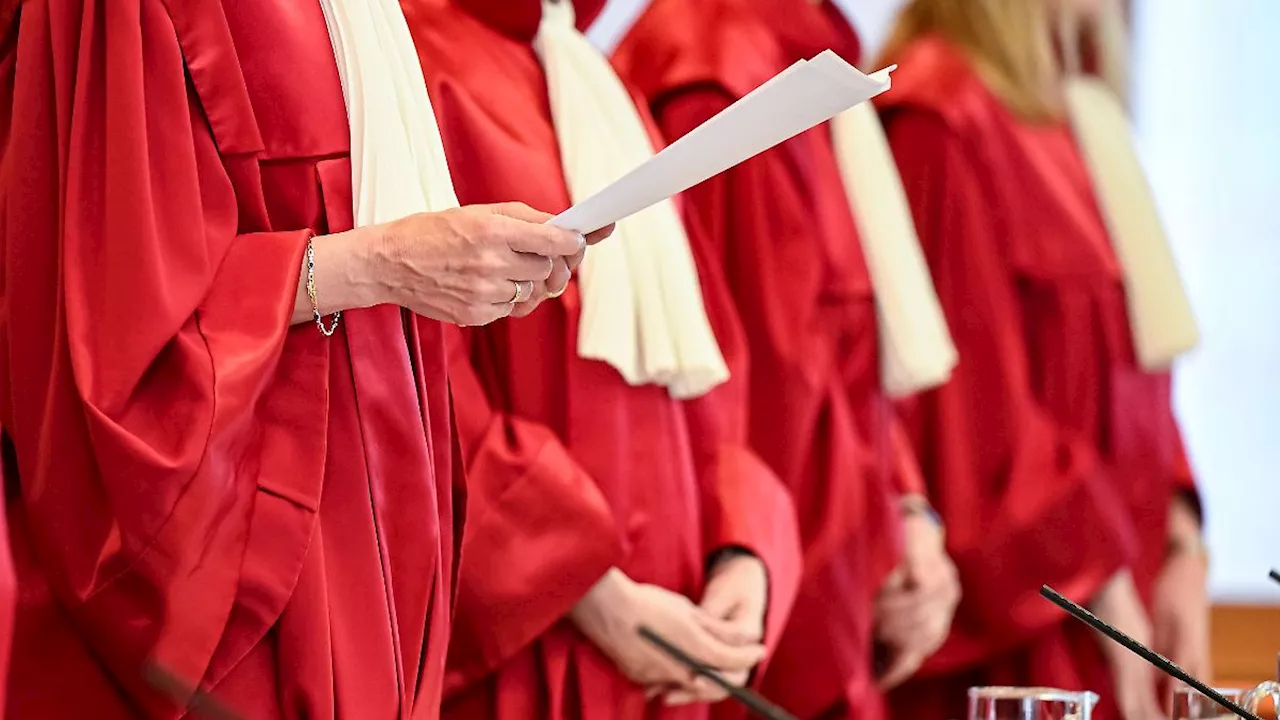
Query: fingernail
{"type": "Point", "coordinates": [582, 240]}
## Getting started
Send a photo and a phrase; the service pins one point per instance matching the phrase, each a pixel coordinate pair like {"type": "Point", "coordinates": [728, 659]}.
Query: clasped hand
{"type": "Point", "coordinates": [1135, 683]}
{"type": "Point", "coordinates": [725, 631]}
{"type": "Point", "coordinates": [916, 604]}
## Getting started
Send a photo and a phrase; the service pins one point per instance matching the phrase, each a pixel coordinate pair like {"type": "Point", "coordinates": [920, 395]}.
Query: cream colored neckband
{"type": "Point", "coordinates": [1160, 315]}
{"type": "Point", "coordinates": [398, 165]}
{"type": "Point", "coordinates": [642, 308]}
{"type": "Point", "coordinates": [916, 350]}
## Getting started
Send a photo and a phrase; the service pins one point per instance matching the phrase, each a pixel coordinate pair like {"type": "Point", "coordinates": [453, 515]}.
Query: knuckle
{"type": "Point", "coordinates": [487, 229]}
{"type": "Point", "coordinates": [489, 262]}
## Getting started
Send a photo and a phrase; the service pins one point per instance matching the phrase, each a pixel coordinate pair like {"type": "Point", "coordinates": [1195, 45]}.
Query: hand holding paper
{"type": "Point", "coordinates": [804, 95]}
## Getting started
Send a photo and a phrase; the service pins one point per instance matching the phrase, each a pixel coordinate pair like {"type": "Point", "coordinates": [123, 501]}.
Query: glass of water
{"type": "Point", "coordinates": [1188, 704]}
{"type": "Point", "coordinates": [1014, 703]}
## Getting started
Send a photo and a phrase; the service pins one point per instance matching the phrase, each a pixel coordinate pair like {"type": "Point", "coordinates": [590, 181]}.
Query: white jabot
{"type": "Point", "coordinates": [916, 351]}
{"type": "Point", "coordinates": [398, 165]}
{"type": "Point", "coordinates": [642, 309]}
{"type": "Point", "coordinates": [1160, 315]}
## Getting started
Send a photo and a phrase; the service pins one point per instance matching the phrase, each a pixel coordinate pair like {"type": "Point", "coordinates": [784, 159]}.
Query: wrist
{"type": "Point", "coordinates": [918, 506]}
{"type": "Point", "coordinates": [350, 270]}
{"type": "Point", "coordinates": [1183, 535]}
{"type": "Point", "coordinates": [1186, 545]}
{"type": "Point", "coordinates": [1103, 601]}
{"type": "Point", "coordinates": [610, 591]}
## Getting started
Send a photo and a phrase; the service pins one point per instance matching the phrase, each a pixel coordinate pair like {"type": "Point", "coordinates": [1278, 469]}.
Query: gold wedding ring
{"type": "Point", "coordinates": [524, 290]}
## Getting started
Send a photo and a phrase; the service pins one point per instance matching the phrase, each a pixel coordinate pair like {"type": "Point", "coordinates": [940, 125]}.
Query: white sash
{"type": "Point", "coordinates": [642, 309]}
{"type": "Point", "coordinates": [1160, 315]}
{"type": "Point", "coordinates": [916, 351]}
{"type": "Point", "coordinates": [398, 165]}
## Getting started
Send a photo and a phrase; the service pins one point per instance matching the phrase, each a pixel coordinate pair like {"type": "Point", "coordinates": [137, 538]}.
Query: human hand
{"type": "Point", "coordinates": [611, 613]}
{"type": "Point", "coordinates": [1180, 612]}
{"type": "Point", "coordinates": [465, 265]}
{"type": "Point", "coordinates": [917, 603]}
{"type": "Point", "coordinates": [737, 592]}
{"type": "Point", "coordinates": [1135, 684]}
{"type": "Point", "coordinates": [565, 266]}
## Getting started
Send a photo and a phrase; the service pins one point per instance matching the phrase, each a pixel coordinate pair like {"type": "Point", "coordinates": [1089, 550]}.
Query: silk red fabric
{"type": "Point", "coordinates": [8, 595]}
{"type": "Point", "coordinates": [780, 226]}
{"type": "Point", "coordinates": [253, 507]}
{"type": "Point", "coordinates": [1052, 457]}
{"type": "Point", "coordinates": [570, 469]}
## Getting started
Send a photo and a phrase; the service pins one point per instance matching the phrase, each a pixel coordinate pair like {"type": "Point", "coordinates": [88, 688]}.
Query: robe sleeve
{"type": "Point", "coordinates": [1184, 476]}
{"type": "Point", "coordinates": [1025, 499]}
{"type": "Point", "coordinates": [157, 400]}
{"type": "Point", "coordinates": [907, 477]}
{"type": "Point", "coordinates": [539, 533]}
{"type": "Point", "coordinates": [8, 585]}
{"type": "Point", "coordinates": [747, 505]}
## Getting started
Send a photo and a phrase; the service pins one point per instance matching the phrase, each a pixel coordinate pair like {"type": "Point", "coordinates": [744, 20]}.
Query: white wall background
{"type": "Point", "coordinates": [1207, 110]}
{"type": "Point", "coordinates": [871, 16]}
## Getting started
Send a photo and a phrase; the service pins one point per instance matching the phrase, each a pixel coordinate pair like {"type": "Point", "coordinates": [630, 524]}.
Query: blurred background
{"type": "Point", "coordinates": [1206, 106]}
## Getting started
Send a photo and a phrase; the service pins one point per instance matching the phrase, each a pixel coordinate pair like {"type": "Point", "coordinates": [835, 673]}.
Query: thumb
{"type": "Point", "coordinates": [727, 631]}
{"type": "Point", "coordinates": [719, 599]}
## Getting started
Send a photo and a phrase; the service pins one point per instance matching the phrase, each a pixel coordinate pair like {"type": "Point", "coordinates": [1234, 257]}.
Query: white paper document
{"type": "Point", "coordinates": [806, 94]}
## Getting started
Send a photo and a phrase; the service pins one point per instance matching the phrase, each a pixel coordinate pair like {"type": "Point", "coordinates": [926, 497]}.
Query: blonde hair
{"type": "Point", "coordinates": [1022, 48]}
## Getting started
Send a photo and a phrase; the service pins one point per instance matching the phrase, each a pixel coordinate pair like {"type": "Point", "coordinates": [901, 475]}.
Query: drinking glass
{"type": "Point", "coordinates": [1265, 695]}
{"type": "Point", "coordinates": [1188, 704]}
{"type": "Point", "coordinates": [1014, 703]}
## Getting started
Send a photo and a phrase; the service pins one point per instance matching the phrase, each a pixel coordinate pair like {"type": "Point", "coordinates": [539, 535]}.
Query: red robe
{"type": "Point", "coordinates": [8, 593]}
{"type": "Point", "coordinates": [781, 228]}
{"type": "Point", "coordinates": [249, 505]}
{"type": "Point", "coordinates": [1051, 455]}
{"type": "Point", "coordinates": [570, 469]}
